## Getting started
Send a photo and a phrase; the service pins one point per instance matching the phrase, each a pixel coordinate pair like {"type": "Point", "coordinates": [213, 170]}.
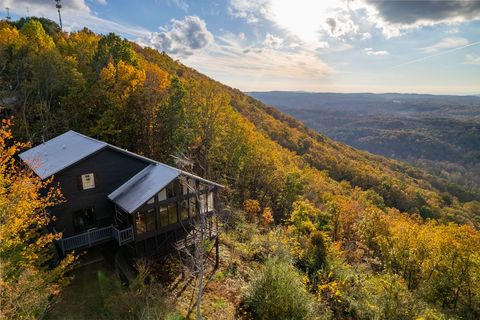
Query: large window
{"type": "Point", "coordinates": [172, 213]}
{"type": "Point", "coordinates": [162, 195]}
{"type": "Point", "coordinates": [168, 192]}
{"type": "Point", "coordinates": [192, 208]}
{"type": "Point", "coordinates": [203, 203]}
{"type": "Point", "coordinates": [210, 201]}
{"type": "Point", "coordinates": [145, 221]}
{"type": "Point", "coordinates": [83, 220]}
{"type": "Point", "coordinates": [184, 186]}
{"type": "Point", "coordinates": [163, 215]}
{"type": "Point", "coordinates": [171, 191]}
{"type": "Point", "coordinates": [168, 214]}
{"type": "Point", "coordinates": [184, 210]}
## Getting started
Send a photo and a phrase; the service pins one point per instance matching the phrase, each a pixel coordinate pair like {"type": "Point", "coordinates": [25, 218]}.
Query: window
{"type": "Point", "coordinates": [168, 192]}
{"type": "Point", "coordinates": [184, 186]}
{"type": "Point", "coordinates": [151, 201]}
{"type": "Point", "coordinates": [171, 192]}
{"type": "Point", "coordinates": [184, 210]}
{"type": "Point", "coordinates": [87, 181]}
{"type": "Point", "coordinates": [83, 220]}
{"type": "Point", "coordinates": [172, 213]}
{"type": "Point", "coordinates": [163, 216]}
{"type": "Point", "coordinates": [145, 221]}
{"type": "Point", "coordinates": [168, 214]}
{"type": "Point", "coordinates": [192, 208]}
{"type": "Point", "coordinates": [203, 203]}
{"type": "Point", "coordinates": [162, 195]}
{"type": "Point", "coordinates": [210, 202]}
{"type": "Point", "coordinates": [191, 185]}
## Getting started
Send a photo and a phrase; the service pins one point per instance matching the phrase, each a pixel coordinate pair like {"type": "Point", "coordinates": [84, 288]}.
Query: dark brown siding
{"type": "Point", "coordinates": [111, 169]}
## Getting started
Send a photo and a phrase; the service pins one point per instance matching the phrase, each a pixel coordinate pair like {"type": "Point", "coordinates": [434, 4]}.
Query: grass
{"type": "Point", "coordinates": [85, 296]}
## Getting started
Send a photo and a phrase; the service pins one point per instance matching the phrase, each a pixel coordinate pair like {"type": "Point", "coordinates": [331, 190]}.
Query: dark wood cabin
{"type": "Point", "coordinates": [112, 194]}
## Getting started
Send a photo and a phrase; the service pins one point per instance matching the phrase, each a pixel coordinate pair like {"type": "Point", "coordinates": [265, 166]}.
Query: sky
{"type": "Point", "coordinates": [301, 45]}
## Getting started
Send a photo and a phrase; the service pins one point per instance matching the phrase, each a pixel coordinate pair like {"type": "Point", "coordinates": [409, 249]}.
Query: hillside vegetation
{"type": "Point", "coordinates": [439, 133]}
{"type": "Point", "coordinates": [361, 236]}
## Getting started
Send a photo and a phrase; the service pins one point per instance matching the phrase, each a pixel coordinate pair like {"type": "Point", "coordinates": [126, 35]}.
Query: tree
{"type": "Point", "coordinates": [27, 277]}
{"type": "Point", "coordinates": [277, 292]}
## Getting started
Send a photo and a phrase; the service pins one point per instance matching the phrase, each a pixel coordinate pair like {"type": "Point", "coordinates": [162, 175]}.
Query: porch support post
{"type": "Point", "coordinates": [217, 258]}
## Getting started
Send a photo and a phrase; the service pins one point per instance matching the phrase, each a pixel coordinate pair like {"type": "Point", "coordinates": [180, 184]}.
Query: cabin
{"type": "Point", "coordinates": [114, 195]}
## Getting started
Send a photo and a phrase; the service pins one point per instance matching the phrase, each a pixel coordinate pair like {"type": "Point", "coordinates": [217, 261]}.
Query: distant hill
{"type": "Point", "coordinates": [438, 132]}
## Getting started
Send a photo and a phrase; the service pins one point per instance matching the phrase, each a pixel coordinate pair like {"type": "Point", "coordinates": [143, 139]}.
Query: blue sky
{"type": "Point", "coordinates": [309, 45]}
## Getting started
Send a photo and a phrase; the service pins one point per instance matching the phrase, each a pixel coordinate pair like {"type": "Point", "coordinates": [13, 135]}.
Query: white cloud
{"type": "Point", "coordinates": [445, 43]}
{"type": "Point", "coordinates": [250, 10]}
{"type": "Point", "coordinates": [371, 52]}
{"type": "Point", "coordinates": [42, 7]}
{"type": "Point", "coordinates": [257, 68]}
{"type": "Point", "coordinates": [342, 26]}
{"type": "Point", "coordinates": [323, 45]}
{"type": "Point", "coordinates": [182, 38]}
{"type": "Point", "coordinates": [181, 4]}
{"type": "Point", "coordinates": [348, 19]}
{"type": "Point", "coordinates": [102, 2]}
{"type": "Point", "coordinates": [75, 15]}
{"type": "Point", "coordinates": [472, 59]}
{"type": "Point", "coordinates": [272, 42]}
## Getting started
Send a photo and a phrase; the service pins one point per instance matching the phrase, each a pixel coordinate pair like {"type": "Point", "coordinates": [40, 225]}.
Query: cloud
{"type": "Point", "coordinates": [102, 2]}
{"type": "Point", "coordinates": [472, 59]}
{"type": "Point", "coordinates": [257, 68]}
{"type": "Point", "coordinates": [433, 11]}
{"type": "Point", "coordinates": [395, 18]}
{"type": "Point", "coordinates": [250, 10]}
{"type": "Point", "coordinates": [182, 38]}
{"type": "Point", "coordinates": [323, 45]}
{"type": "Point", "coordinates": [272, 41]}
{"type": "Point", "coordinates": [40, 7]}
{"type": "Point", "coordinates": [342, 26]}
{"type": "Point", "coordinates": [353, 19]}
{"type": "Point", "coordinates": [371, 52]}
{"type": "Point", "coordinates": [445, 43]}
{"type": "Point", "coordinates": [181, 4]}
{"type": "Point", "coordinates": [75, 16]}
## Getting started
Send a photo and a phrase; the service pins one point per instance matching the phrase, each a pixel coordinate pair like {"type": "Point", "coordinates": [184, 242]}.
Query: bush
{"type": "Point", "coordinates": [278, 293]}
{"type": "Point", "coordinates": [145, 299]}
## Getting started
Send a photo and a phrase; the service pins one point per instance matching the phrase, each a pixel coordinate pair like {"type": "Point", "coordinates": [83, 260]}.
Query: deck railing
{"type": "Point", "coordinates": [96, 236]}
{"type": "Point", "coordinates": [123, 236]}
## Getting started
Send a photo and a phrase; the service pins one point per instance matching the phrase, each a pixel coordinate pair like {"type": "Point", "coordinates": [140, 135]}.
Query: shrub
{"type": "Point", "coordinates": [278, 293]}
{"type": "Point", "coordinates": [145, 299]}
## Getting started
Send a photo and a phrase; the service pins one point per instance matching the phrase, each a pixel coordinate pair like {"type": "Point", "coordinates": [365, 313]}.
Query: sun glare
{"type": "Point", "coordinates": [303, 18]}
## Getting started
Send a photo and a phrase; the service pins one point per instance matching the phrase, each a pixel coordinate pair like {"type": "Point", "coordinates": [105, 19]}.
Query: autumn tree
{"type": "Point", "coordinates": [28, 279]}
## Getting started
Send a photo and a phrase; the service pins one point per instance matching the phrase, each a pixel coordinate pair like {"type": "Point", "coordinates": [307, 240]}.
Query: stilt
{"type": "Point", "coordinates": [217, 257]}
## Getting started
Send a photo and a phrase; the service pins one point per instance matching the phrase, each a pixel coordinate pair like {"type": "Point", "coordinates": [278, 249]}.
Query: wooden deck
{"type": "Point", "coordinates": [96, 236]}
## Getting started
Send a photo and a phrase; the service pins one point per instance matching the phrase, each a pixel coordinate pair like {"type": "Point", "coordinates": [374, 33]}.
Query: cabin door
{"type": "Point", "coordinates": [83, 220]}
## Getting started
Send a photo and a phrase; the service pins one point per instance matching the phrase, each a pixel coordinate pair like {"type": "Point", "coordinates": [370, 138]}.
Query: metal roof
{"type": "Point", "coordinates": [60, 152]}
{"type": "Point", "coordinates": [143, 186]}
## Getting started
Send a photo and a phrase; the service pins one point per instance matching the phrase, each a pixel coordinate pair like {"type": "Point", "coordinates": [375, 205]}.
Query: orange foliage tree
{"type": "Point", "coordinates": [27, 280]}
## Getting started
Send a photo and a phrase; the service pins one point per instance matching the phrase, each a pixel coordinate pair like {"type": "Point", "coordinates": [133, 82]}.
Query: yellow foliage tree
{"type": "Point", "coordinates": [26, 280]}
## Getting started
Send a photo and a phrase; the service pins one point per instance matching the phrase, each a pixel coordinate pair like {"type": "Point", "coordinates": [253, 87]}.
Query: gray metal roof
{"type": "Point", "coordinates": [60, 152]}
{"type": "Point", "coordinates": [143, 186]}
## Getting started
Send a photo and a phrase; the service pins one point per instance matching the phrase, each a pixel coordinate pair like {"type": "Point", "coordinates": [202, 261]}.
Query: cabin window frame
{"type": "Point", "coordinates": [81, 181]}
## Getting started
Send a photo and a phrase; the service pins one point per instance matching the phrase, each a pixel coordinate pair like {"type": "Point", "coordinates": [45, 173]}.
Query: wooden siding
{"type": "Point", "coordinates": [111, 169]}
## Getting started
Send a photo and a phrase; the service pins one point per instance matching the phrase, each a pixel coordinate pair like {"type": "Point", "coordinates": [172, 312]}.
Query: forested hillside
{"type": "Point", "coordinates": [372, 238]}
{"type": "Point", "coordinates": [437, 132]}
